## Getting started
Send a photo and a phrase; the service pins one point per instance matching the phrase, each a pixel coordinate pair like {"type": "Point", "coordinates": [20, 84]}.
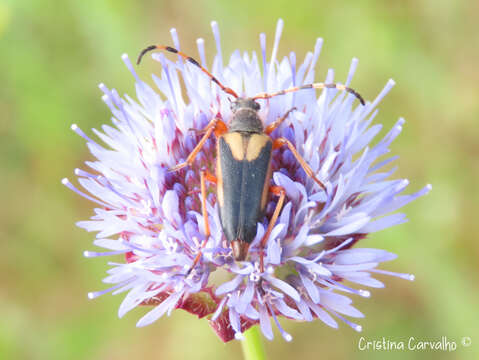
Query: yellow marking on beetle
{"type": "Point", "coordinates": [219, 177]}
{"type": "Point", "coordinates": [235, 143]}
{"type": "Point", "coordinates": [256, 143]}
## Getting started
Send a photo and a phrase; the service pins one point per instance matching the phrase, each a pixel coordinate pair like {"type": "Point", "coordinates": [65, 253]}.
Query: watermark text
{"type": "Point", "coordinates": [413, 344]}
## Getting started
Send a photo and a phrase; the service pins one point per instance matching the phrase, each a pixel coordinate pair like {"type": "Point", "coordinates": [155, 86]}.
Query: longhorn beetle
{"type": "Point", "coordinates": [243, 168]}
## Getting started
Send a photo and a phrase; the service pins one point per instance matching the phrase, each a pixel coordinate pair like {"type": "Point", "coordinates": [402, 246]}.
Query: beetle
{"type": "Point", "coordinates": [243, 169]}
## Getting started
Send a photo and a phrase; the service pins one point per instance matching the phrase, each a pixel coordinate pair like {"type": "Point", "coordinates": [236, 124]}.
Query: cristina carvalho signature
{"type": "Point", "coordinates": [411, 344]}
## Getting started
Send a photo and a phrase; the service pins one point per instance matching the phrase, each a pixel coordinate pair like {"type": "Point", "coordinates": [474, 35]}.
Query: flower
{"type": "Point", "coordinates": [153, 216]}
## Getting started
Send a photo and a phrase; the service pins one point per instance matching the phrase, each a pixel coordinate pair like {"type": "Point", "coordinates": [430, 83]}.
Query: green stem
{"type": "Point", "coordinates": [252, 344]}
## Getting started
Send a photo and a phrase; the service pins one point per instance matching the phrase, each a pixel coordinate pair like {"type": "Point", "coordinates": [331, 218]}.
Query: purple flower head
{"type": "Point", "coordinates": [153, 217]}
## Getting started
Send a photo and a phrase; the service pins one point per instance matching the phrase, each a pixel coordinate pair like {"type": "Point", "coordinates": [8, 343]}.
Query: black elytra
{"type": "Point", "coordinates": [243, 171]}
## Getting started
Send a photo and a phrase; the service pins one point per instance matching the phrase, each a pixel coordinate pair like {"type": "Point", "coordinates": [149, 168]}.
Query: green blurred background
{"type": "Point", "coordinates": [54, 53]}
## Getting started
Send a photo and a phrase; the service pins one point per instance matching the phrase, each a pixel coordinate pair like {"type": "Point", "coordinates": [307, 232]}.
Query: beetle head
{"type": "Point", "coordinates": [245, 116]}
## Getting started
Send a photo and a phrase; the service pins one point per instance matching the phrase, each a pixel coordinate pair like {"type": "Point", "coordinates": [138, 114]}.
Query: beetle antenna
{"type": "Point", "coordinates": [310, 86]}
{"type": "Point", "coordinates": [190, 60]}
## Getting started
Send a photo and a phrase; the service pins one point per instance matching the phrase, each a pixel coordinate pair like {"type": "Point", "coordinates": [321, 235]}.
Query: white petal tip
{"type": "Point", "coordinates": [74, 127]}
{"type": "Point", "coordinates": [410, 277]}
{"type": "Point", "coordinates": [428, 188]}
{"type": "Point", "coordinates": [65, 181]}
{"type": "Point", "coordinates": [91, 295]}
{"type": "Point", "coordinates": [214, 23]}
{"type": "Point", "coordinates": [365, 293]}
{"type": "Point", "coordinates": [287, 337]}
{"type": "Point", "coordinates": [239, 336]}
{"type": "Point", "coordinates": [77, 171]}
{"type": "Point", "coordinates": [87, 254]}
{"type": "Point", "coordinates": [391, 82]}
{"type": "Point", "coordinates": [358, 328]}
{"type": "Point", "coordinates": [124, 56]}
{"type": "Point", "coordinates": [200, 41]}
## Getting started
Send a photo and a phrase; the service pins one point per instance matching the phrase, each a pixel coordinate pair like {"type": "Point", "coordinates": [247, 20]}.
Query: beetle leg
{"type": "Point", "coordinates": [276, 190]}
{"type": "Point", "coordinates": [209, 176]}
{"type": "Point", "coordinates": [271, 127]}
{"type": "Point", "coordinates": [215, 125]}
{"type": "Point", "coordinates": [205, 175]}
{"type": "Point", "coordinates": [277, 143]}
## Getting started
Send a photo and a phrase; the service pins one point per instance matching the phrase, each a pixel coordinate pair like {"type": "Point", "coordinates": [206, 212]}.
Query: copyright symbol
{"type": "Point", "coordinates": [466, 341]}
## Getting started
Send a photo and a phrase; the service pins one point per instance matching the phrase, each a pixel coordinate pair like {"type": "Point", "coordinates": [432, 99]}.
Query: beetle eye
{"type": "Point", "coordinates": [256, 106]}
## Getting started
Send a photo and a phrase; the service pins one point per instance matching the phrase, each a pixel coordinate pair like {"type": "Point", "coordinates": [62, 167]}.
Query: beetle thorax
{"type": "Point", "coordinates": [245, 116]}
